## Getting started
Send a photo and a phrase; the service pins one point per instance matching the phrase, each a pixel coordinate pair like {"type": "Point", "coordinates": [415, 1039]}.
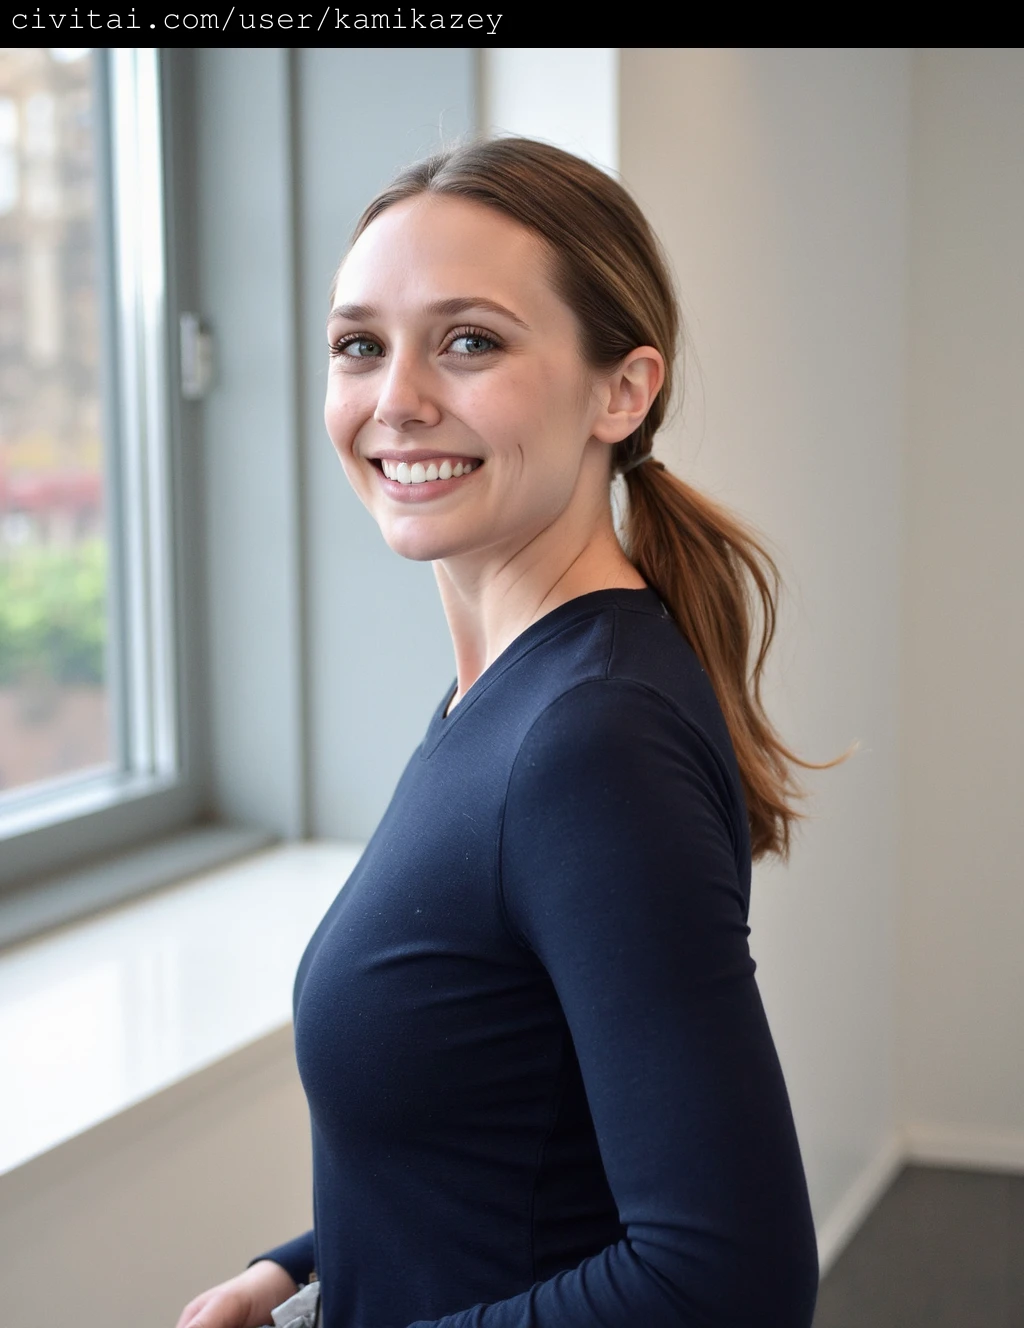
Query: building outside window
{"type": "Point", "coordinates": [54, 545]}
{"type": "Point", "coordinates": [88, 714]}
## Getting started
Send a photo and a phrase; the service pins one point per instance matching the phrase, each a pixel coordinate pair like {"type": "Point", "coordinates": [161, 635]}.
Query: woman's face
{"type": "Point", "coordinates": [457, 398]}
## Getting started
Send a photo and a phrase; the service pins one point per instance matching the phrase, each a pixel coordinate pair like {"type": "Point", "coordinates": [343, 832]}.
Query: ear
{"type": "Point", "coordinates": [627, 394]}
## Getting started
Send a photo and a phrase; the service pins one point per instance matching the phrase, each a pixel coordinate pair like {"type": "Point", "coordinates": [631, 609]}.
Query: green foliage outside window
{"type": "Point", "coordinates": [53, 614]}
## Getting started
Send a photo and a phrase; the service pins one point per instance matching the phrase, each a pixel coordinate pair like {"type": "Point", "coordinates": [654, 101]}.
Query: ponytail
{"type": "Point", "coordinates": [704, 562]}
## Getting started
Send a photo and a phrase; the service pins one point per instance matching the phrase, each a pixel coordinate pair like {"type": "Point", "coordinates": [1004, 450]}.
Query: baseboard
{"type": "Point", "coordinates": [924, 1144]}
{"type": "Point", "coordinates": [861, 1196]}
{"type": "Point", "coordinates": [978, 1149]}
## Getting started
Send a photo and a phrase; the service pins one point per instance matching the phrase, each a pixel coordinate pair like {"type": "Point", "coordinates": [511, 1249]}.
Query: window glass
{"type": "Point", "coordinates": [54, 705]}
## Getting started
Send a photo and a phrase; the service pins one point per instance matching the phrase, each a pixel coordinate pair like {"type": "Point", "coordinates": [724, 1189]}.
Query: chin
{"type": "Point", "coordinates": [418, 545]}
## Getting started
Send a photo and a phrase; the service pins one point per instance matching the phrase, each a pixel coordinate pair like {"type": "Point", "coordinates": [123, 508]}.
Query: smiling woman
{"type": "Point", "coordinates": [543, 1089]}
{"type": "Point", "coordinates": [443, 353]}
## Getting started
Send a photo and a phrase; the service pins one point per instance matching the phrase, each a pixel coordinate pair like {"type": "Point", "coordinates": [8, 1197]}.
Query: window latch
{"type": "Point", "coordinates": [196, 357]}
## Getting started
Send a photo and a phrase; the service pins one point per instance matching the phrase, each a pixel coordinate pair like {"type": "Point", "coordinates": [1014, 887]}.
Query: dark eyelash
{"type": "Point", "coordinates": [480, 332]}
{"type": "Point", "coordinates": [336, 347]}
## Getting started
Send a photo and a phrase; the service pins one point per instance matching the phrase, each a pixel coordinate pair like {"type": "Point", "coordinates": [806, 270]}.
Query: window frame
{"type": "Point", "coordinates": [154, 787]}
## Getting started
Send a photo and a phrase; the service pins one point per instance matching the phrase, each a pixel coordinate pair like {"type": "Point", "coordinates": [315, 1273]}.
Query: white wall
{"type": "Point", "coordinates": [566, 95]}
{"type": "Point", "coordinates": [963, 700]}
{"type": "Point", "coordinates": [778, 182]}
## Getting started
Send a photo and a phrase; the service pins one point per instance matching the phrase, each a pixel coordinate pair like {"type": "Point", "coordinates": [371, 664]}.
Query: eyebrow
{"type": "Point", "coordinates": [359, 313]}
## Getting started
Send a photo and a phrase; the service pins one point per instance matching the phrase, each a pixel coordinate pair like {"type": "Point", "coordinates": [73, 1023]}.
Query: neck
{"type": "Point", "coordinates": [491, 599]}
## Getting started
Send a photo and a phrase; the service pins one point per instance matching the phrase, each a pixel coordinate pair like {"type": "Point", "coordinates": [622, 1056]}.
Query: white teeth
{"type": "Point", "coordinates": [418, 473]}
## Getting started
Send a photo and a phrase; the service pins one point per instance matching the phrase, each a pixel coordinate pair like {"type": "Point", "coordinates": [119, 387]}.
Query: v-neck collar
{"type": "Point", "coordinates": [585, 606]}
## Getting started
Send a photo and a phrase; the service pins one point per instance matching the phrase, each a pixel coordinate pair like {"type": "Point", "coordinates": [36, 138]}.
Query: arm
{"type": "Point", "coordinates": [619, 869]}
{"type": "Point", "coordinates": [294, 1256]}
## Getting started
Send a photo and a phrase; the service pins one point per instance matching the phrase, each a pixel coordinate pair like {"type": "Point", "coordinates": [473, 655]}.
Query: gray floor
{"type": "Point", "coordinates": [943, 1248]}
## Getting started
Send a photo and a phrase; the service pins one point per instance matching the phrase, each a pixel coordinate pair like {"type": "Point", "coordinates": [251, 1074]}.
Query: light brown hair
{"type": "Point", "coordinates": [702, 559]}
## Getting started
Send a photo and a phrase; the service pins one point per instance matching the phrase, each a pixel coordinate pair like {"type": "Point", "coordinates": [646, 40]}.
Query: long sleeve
{"type": "Point", "coordinates": [621, 867]}
{"type": "Point", "coordinates": [295, 1257]}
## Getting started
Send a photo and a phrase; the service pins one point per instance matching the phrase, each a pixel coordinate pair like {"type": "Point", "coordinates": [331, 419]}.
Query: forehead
{"type": "Point", "coordinates": [431, 247]}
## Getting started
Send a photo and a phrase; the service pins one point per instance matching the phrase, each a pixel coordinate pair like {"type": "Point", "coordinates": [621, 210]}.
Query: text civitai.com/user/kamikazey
{"type": "Point", "coordinates": [332, 19]}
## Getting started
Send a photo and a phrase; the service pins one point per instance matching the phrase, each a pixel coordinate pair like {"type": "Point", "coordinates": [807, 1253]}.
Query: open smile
{"type": "Point", "coordinates": [414, 477]}
{"type": "Point", "coordinates": [430, 472]}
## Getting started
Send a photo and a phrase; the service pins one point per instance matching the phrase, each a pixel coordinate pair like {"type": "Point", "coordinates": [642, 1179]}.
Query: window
{"type": "Point", "coordinates": [88, 713]}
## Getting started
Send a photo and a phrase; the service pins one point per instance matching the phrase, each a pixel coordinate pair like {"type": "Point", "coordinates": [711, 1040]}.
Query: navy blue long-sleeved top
{"type": "Point", "coordinates": [542, 1086]}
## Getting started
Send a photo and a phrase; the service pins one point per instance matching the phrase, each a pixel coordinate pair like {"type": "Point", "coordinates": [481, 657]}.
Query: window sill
{"type": "Point", "coordinates": [57, 800]}
{"type": "Point", "coordinates": [114, 880]}
{"type": "Point", "coordinates": [101, 1015]}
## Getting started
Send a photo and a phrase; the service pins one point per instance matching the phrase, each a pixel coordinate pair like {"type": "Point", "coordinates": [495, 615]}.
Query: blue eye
{"type": "Point", "coordinates": [472, 343]}
{"type": "Point", "coordinates": [361, 348]}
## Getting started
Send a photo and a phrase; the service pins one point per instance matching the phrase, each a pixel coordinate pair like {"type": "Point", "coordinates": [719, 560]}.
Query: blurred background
{"type": "Point", "coordinates": [213, 670]}
{"type": "Point", "coordinates": [53, 710]}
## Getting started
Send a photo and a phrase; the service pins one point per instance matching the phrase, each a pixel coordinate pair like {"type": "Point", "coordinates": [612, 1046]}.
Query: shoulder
{"type": "Point", "coordinates": [613, 776]}
{"type": "Point", "coordinates": [622, 739]}
{"type": "Point", "coordinates": [618, 802]}
{"type": "Point", "coordinates": [621, 670]}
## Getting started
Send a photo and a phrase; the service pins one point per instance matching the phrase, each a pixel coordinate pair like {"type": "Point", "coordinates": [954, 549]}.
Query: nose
{"type": "Point", "coordinates": [406, 397]}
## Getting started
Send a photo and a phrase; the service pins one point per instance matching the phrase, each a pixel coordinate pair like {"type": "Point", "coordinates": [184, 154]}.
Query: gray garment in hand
{"type": "Point", "coordinates": [301, 1310]}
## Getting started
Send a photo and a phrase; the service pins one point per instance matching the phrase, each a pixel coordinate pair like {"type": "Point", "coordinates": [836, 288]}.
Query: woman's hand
{"type": "Point", "coordinates": [245, 1301]}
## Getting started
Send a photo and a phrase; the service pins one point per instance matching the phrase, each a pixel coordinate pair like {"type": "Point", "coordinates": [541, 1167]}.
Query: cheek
{"type": "Point", "coordinates": [343, 416]}
{"type": "Point", "coordinates": [529, 410]}
{"type": "Point", "coordinates": [544, 424]}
